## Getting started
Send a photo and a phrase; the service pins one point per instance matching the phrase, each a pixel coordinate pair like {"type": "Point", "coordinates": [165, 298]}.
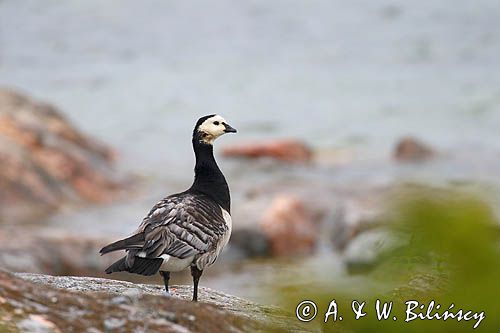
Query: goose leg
{"type": "Point", "coordinates": [196, 273]}
{"type": "Point", "coordinates": [166, 277]}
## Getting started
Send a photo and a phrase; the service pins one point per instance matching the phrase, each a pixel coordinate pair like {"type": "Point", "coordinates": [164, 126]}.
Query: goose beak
{"type": "Point", "coordinates": [229, 129]}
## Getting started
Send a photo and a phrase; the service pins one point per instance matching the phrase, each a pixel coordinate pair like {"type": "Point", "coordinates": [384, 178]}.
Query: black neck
{"type": "Point", "coordinates": [208, 179]}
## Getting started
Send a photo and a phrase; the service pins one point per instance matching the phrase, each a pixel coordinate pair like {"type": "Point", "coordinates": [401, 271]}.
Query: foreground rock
{"type": "Point", "coordinates": [287, 150]}
{"type": "Point", "coordinates": [46, 161]}
{"type": "Point", "coordinates": [42, 303]}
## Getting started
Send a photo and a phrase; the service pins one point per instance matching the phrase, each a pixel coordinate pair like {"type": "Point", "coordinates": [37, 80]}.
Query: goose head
{"type": "Point", "coordinates": [211, 127]}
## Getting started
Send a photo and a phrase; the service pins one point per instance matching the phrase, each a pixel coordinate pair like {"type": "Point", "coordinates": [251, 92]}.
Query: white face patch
{"type": "Point", "coordinates": [213, 127]}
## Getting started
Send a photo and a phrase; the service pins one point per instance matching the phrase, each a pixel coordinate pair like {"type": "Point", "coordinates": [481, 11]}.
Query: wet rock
{"type": "Point", "coordinates": [46, 161]}
{"type": "Point", "coordinates": [290, 227]}
{"type": "Point", "coordinates": [288, 150]}
{"type": "Point", "coordinates": [412, 150]}
{"type": "Point", "coordinates": [85, 304]}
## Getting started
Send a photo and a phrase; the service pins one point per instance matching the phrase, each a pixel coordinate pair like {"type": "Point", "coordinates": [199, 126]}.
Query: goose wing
{"type": "Point", "coordinates": [182, 225]}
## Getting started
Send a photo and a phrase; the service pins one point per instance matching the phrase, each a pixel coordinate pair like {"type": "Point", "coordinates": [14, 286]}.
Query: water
{"type": "Point", "coordinates": [361, 73]}
{"type": "Point", "coordinates": [352, 75]}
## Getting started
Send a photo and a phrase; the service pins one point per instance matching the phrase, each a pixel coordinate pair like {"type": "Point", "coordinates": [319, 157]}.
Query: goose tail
{"type": "Point", "coordinates": [133, 242]}
{"type": "Point", "coordinates": [142, 266]}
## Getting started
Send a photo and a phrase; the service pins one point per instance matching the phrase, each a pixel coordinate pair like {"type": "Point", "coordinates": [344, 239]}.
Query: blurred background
{"type": "Point", "coordinates": [342, 108]}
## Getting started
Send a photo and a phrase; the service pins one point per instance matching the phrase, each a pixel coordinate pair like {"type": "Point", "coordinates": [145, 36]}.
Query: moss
{"type": "Point", "coordinates": [450, 255]}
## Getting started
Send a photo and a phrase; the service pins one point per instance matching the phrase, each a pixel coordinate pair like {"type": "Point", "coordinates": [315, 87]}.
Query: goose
{"type": "Point", "coordinates": [187, 229]}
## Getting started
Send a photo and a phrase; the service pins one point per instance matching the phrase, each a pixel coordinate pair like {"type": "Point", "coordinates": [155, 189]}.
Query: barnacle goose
{"type": "Point", "coordinates": [187, 229]}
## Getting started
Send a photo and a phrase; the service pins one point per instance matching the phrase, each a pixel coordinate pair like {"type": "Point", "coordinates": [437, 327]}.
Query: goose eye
{"type": "Point", "coordinates": [216, 123]}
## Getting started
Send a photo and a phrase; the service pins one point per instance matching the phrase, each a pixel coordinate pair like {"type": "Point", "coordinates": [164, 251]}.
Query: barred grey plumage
{"type": "Point", "coordinates": [185, 225]}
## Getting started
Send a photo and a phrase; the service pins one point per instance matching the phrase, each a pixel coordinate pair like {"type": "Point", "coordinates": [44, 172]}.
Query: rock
{"type": "Point", "coordinates": [412, 150]}
{"type": "Point", "coordinates": [114, 323]}
{"type": "Point", "coordinates": [85, 305]}
{"type": "Point", "coordinates": [287, 150]}
{"type": "Point", "coordinates": [46, 161]}
{"type": "Point", "coordinates": [37, 324]}
{"type": "Point", "coordinates": [51, 252]}
{"type": "Point", "coordinates": [360, 230]}
{"type": "Point", "coordinates": [363, 252]}
{"type": "Point", "coordinates": [45, 250]}
{"type": "Point", "coordinates": [247, 243]}
{"type": "Point", "coordinates": [290, 227]}
{"type": "Point", "coordinates": [355, 216]}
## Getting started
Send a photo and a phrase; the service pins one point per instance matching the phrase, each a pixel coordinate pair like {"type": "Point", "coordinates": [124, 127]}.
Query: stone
{"type": "Point", "coordinates": [356, 215]}
{"type": "Point", "coordinates": [412, 150]}
{"type": "Point", "coordinates": [47, 251]}
{"type": "Point", "coordinates": [248, 243]}
{"type": "Point", "coordinates": [289, 226]}
{"type": "Point", "coordinates": [46, 161]}
{"type": "Point", "coordinates": [286, 150]}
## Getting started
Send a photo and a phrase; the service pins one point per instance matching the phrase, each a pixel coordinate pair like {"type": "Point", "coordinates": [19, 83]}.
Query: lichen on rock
{"type": "Point", "coordinates": [82, 304]}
